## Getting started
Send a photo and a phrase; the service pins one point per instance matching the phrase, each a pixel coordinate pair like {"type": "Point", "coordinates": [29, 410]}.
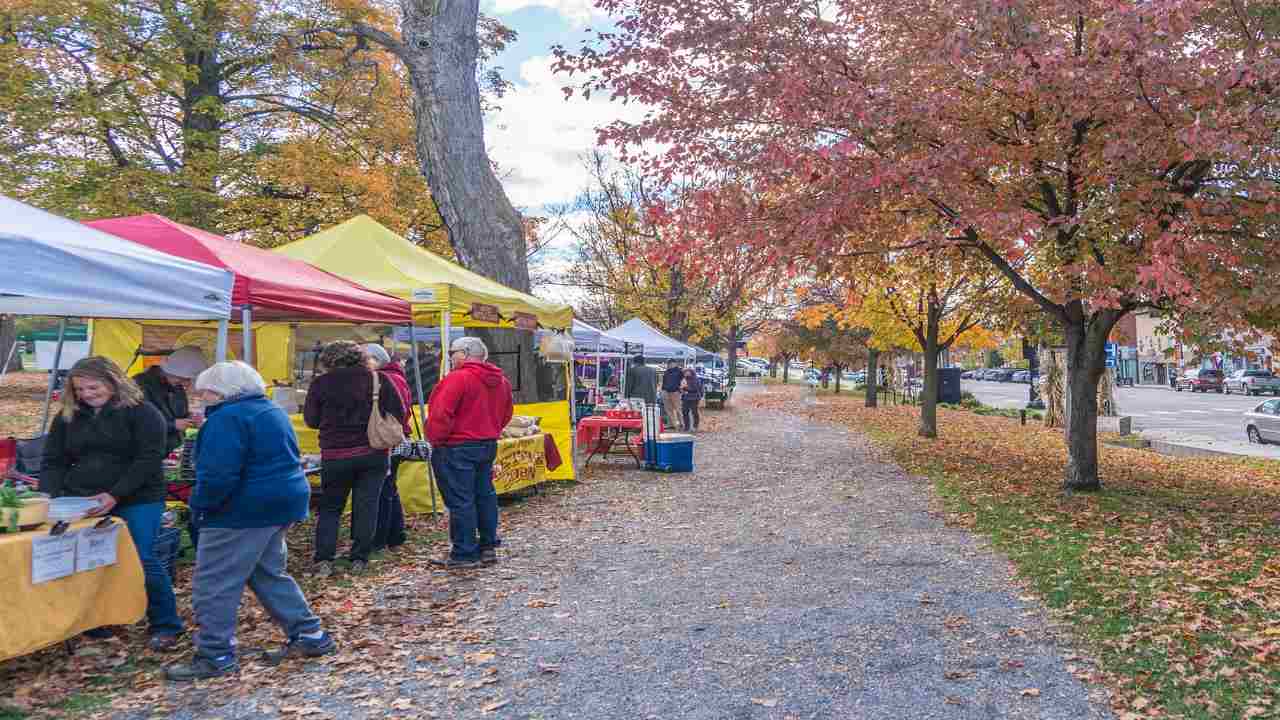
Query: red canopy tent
{"type": "Point", "coordinates": [275, 286]}
{"type": "Point", "coordinates": [268, 286]}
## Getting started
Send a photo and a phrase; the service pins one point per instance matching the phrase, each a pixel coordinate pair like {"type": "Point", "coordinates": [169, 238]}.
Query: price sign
{"type": "Point", "coordinates": [97, 548]}
{"type": "Point", "coordinates": [53, 556]}
{"type": "Point", "coordinates": [525, 321]}
{"type": "Point", "coordinates": [485, 313]}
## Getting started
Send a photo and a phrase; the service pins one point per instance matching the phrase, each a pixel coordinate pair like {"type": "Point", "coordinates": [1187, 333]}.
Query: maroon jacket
{"type": "Point", "coordinates": [339, 403]}
{"type": "Point", "coordinates": [472, 403]}
{"type": "Point", "coordinates": [395, 373]}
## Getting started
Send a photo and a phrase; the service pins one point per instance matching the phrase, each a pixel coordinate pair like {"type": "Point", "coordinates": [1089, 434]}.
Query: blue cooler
{"type": "Point", "coordinates": [674, 453]}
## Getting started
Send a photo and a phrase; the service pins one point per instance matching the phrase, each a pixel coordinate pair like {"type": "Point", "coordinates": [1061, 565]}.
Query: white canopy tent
{"type": "Point", "coordinates": [61, 268]}
{"type": "Point", "coordinates": [656, 345]}
{"type": "Point", "coordinates": [588, 339]}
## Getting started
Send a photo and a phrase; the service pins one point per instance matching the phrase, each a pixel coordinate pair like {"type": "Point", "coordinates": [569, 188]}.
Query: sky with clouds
{"type": "Point", "coordinates": [537, 137]}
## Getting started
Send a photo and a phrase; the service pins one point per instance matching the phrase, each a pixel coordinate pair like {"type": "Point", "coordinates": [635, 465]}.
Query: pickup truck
{"type": "Point", "coordinates": [1252, 382]}
{"type": "Point", "coordinates": [1202, 380]}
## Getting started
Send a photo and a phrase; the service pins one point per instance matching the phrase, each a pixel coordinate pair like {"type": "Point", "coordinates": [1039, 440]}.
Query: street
{"type": "Point", "coordinates": [1153, 408]}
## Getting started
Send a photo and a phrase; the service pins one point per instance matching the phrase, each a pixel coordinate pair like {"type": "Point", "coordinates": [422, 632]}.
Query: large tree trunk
{"type": "Point", "coordinates": [202, 116]}
{"type": "Point", "coordinates": [8, 338]}
{"type": "Point", "coordinates": [733, 347]}
{"type": "Point", "coordinates": [929, 399]}
{"type": "Point", "coordinates": [1086, 335]}
{"type": "Point", "coordinates": [440, 47]}
{"type": "Point", "coordinates": [873, 377]}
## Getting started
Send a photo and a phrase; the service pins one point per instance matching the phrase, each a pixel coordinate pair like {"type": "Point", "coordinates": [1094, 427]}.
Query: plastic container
{"type": "Point", "coordinates": [674, 453]}
{"type": "Point", "coordinates": [31, 515]}
{"type": "Point", "coordinates": [70, 509]}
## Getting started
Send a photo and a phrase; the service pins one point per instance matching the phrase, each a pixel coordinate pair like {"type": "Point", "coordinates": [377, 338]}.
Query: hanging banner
{"type": "Point", "coordinates": [485, 313]}
{"type": "Point", "coordinates": [525, 321]}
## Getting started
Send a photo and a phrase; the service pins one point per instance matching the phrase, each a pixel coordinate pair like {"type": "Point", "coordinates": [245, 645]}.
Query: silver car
{"type": "Point", "coordinates": [1262, 424]}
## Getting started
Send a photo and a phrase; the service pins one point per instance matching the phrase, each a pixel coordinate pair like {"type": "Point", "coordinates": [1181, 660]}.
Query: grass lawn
{"type": "Point", "coordinates": [1171, 574]}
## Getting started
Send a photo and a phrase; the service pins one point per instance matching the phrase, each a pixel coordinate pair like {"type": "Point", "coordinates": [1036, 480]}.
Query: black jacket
{"type": "Point", "coordinates": [642, 382]}
{"type": "Point", "coordinates": [169, 400]}
{"type": "Point", "coordinates": [671, 379]}
{"type": "Point", "coordinates": [119, 451]}
{"type": "Point", "coordinates": [340, 401]}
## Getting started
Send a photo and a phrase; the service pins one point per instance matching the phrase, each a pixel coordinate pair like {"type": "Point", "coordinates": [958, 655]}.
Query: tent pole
{"type": "Point", "coordinates": [446, 329]}
{"type": "Point", "coordinates": [599, 385]}
{"type": "Point", "coordinates": [422, 407]}
{"type": "Point", "coordinates": [221, 351]}
{"type": "Point", "coordinates": [53, 375]}
{"type": "Point", "coordinates": [246, 333]}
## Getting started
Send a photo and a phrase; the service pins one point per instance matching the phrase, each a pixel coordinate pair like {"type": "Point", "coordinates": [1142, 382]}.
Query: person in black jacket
{"type": "Point", "coordinates": [165, 386]}
{"type": "Point", "coordinates": [108, 443]}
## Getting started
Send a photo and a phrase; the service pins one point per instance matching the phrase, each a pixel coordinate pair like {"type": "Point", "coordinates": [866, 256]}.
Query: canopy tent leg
{"type": "Point", "coordinates": [224, 326]}
{"type": "Point", "coordinates": [53, 376]}
{"type": "Point", "coordinates": [246, 333]}
{"type": "Point", "coordinates": [599, 385]}
{"type": "Point", "coordinates": [446, 330]}
{"type": "Point", "coordinates": [422, 408]}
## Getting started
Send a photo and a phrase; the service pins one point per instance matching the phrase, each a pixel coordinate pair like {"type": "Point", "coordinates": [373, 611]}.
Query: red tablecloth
{"type": "Point", "coordinates": [552, 452]}
{"type": "Point", "coordinates": [590, 428]}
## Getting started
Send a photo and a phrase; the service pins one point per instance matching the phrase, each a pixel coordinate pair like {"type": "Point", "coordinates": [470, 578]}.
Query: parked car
{"type": "Point", "coordinates": [1202, 380]}
{"type": "Point", "coordinates": [746, 369]}
{"type": "Point", "coordinates": [968, 374]}
{"type": "Point", "coordinates": [1022, 376]}
{"type": "Point", "coordinates": [1262, 424]}
{"type": "Point", "coordinates": [1252, 382]}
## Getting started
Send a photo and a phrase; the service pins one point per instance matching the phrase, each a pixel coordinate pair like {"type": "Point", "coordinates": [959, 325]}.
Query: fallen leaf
{"type": "Point", "coordinates": [496, 706]}
{"type": "Point", "coordinates": [765, 702]}
{"type": "Point", "coordinates": [1031, 692]}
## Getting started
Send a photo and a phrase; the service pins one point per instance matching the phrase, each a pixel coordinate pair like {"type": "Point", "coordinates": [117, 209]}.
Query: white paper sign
{"type": "Point", "coordinates": [53, 557]}
{"type": "Point", "coordinates": [424, 295]}
{"type": "Point", "coordinates": [97, 548]}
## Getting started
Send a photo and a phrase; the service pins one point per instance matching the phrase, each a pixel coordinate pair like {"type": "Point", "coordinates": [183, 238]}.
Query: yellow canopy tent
{"type": "Point", "coordinates": [444, 295]}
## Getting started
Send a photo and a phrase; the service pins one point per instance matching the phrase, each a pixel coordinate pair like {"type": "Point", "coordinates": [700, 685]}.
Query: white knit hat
{"type": "Point", "coordinates": [378, 353]}
{"type": "Point", "coordinates": [185, 362]}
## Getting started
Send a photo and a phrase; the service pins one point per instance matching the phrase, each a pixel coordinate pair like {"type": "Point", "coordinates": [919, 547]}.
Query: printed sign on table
{"type": "Point", "coordinates": [97, 548]}
{"type": "Point", "coordinates": [53, 556]}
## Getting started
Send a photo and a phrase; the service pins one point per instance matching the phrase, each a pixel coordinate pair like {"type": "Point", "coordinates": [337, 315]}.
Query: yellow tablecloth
{"type": "Point", "coordinates": [37, 616]}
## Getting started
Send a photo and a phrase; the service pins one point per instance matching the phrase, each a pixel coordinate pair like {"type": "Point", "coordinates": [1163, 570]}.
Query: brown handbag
{"type": "Point", "coordinates": [385, 431]}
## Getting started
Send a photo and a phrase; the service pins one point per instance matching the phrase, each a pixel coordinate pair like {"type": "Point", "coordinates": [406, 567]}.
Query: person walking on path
{"type": "Point", "coordinates": [165, 386]}
{"type": "Point", "coordinates": [642, 381]}
{"type": "Point", "coordinates": [108, 443]}
{"type": "Point", "coordinates": [390, 532]}
{"type": "Point", "coordinates": [339, 404]}
{"type": "Point", "coordinates": [466, 415]}
{"type": "Point", "coordinates": [249, 489]}
{"type": "Point", "coordinates": [671, 380]}
{"type": "Point", "coordinates": [690, 398]}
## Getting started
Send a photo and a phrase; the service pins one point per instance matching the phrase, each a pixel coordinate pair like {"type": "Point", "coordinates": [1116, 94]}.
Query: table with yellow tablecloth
{"type": "Point", "coordinates": [523, 464]}
{"type": "Point", "coordinates": [37, 616]}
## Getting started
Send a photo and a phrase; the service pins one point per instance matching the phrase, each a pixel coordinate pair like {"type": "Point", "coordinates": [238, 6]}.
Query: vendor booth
{"type": "Point", "coordinates": [86, 576]}
{"type": "Point", "coordinates": [599, 368]}
{"type": "Point", "coordinates": [446, 296]}
{"type": "Point", "coordinates": [654, 344]}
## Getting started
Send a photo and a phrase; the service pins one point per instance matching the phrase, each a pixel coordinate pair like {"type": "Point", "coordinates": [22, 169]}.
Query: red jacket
{"type": "Point", "coordinates": [473, 402]}
{"type": "Point", "coordinates": [395, 373]}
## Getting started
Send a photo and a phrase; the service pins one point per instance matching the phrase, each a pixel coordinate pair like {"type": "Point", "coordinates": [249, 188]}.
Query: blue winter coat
{"type": "Point", "coordinates": [248, 467]}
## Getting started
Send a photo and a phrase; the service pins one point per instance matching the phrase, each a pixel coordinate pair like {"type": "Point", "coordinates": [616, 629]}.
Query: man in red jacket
{"type": "Point", "coordinates": [465, 417]}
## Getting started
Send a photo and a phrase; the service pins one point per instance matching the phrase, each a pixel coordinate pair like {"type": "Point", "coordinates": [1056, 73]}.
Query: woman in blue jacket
{"type": "Point", "coordinates": [249, 489]}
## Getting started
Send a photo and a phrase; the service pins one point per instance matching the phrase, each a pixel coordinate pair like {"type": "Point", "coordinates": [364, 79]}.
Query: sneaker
{"type": "Point", "coordinates": [488, 556]}
{"type": "Point", "coordinates": [100, 633]}
{"type": "Point", "coordinates": [163, 642]}
{"type": "Point", "coordinates": [359, 567]}
{"type": "Point", "coordinates": [455, 564]}
{"type": "Point", "coordinates": [301, 646]}
{"type": "Point", "coordinates": [324, 569]}
{"type": "Point", "coordinates": [202, 668]}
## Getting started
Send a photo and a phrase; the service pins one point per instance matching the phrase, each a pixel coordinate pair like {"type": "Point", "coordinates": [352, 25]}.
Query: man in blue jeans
{"type": "Point", "coordinates": [465, 417]}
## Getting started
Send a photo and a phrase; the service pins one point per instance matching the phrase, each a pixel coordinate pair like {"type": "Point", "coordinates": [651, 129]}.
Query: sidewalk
{"type": "Point", "coordinates": [1173, 442]}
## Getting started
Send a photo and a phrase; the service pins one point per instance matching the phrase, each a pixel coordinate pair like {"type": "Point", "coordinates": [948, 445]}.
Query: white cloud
{"type": "Point", "coordinates": [539, 138]}
{"type": "Point", "coordinates": [579, 13]}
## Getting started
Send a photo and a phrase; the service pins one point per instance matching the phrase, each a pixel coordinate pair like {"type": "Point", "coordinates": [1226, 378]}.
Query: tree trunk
{"type": "Point", "coordinates": [8, 338]}
{"type": "Point", "coordinates": [873, 376]}
{"type": "Point", "coordinates": [733, 347]}
{"type": "Point", "coordinates": [837, 379]}
{"type": "Point", "coordinates": [1086, 336]}
{"type": "Point", "coordinates": [786, 368]}
{"type": "Point", "coordinates": [202, 116]}
{"type": "Point", "coordinates": [440, 49]}
{"type": "Point", "coordinates": [929, 399]}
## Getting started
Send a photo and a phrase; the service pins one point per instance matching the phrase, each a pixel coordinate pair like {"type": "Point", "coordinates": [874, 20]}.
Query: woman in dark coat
{"type": "Point", "coordinates": [108, 443]}
{"type": "Point", "coordinates": [339, 403]}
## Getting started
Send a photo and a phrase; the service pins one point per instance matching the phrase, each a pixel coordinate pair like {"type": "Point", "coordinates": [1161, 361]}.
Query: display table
{"type": "Point", "coordinates": [39, 615]}
{"type": "Point", "coordinates": [601, 435]}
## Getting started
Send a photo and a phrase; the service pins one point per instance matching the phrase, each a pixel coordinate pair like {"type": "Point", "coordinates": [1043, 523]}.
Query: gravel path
{"type": "Point", "coordinates": [793, 575]}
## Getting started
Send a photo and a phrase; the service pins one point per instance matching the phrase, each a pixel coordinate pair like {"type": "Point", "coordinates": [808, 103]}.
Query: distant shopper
{"type": "Point", "coordinates": [249, 490]}
{"type": "Point", "coordinates": [339, 404]}
{"type": "Point", "coordinates": [642, 381]}
{"type": "Point", "coordinates": [465, 417]}
{"type": "Point", "coordinates": [671, 380]}
{"type": "Point", "coordinates": [108, 443]}
{"type": "Point", "coordinates": [165, 386]}
{"type": "Point", "coordinates": [390, 532]}
{"type": "Point", "coordinates": [690, 398]}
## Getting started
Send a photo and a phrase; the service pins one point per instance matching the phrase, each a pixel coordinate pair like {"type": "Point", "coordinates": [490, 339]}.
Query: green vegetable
{"type": "Point", "coordinates": [11, 501]}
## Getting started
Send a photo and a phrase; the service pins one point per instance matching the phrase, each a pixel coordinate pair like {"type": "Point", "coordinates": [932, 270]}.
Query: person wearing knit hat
{"type": "Point", "coordinates": [165, 386]}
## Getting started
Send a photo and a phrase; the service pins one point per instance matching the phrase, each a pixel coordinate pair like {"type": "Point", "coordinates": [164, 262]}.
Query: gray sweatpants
{"type": "Point", "coordinates": [228, 559]}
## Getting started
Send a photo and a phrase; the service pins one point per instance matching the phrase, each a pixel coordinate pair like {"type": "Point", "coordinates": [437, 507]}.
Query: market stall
{"type": "Point", "coordinates": [63, 584]}
{"type": "Point", "coordinates": [446, 296]}
{"type": "Point", "coordinates": [599, 367]}
{"type": "Point", "coordinates": [653, 343]}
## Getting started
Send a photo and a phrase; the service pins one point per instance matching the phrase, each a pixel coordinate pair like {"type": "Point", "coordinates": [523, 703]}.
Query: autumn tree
{"type": "Point", "coordinates": [1102, 156]}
